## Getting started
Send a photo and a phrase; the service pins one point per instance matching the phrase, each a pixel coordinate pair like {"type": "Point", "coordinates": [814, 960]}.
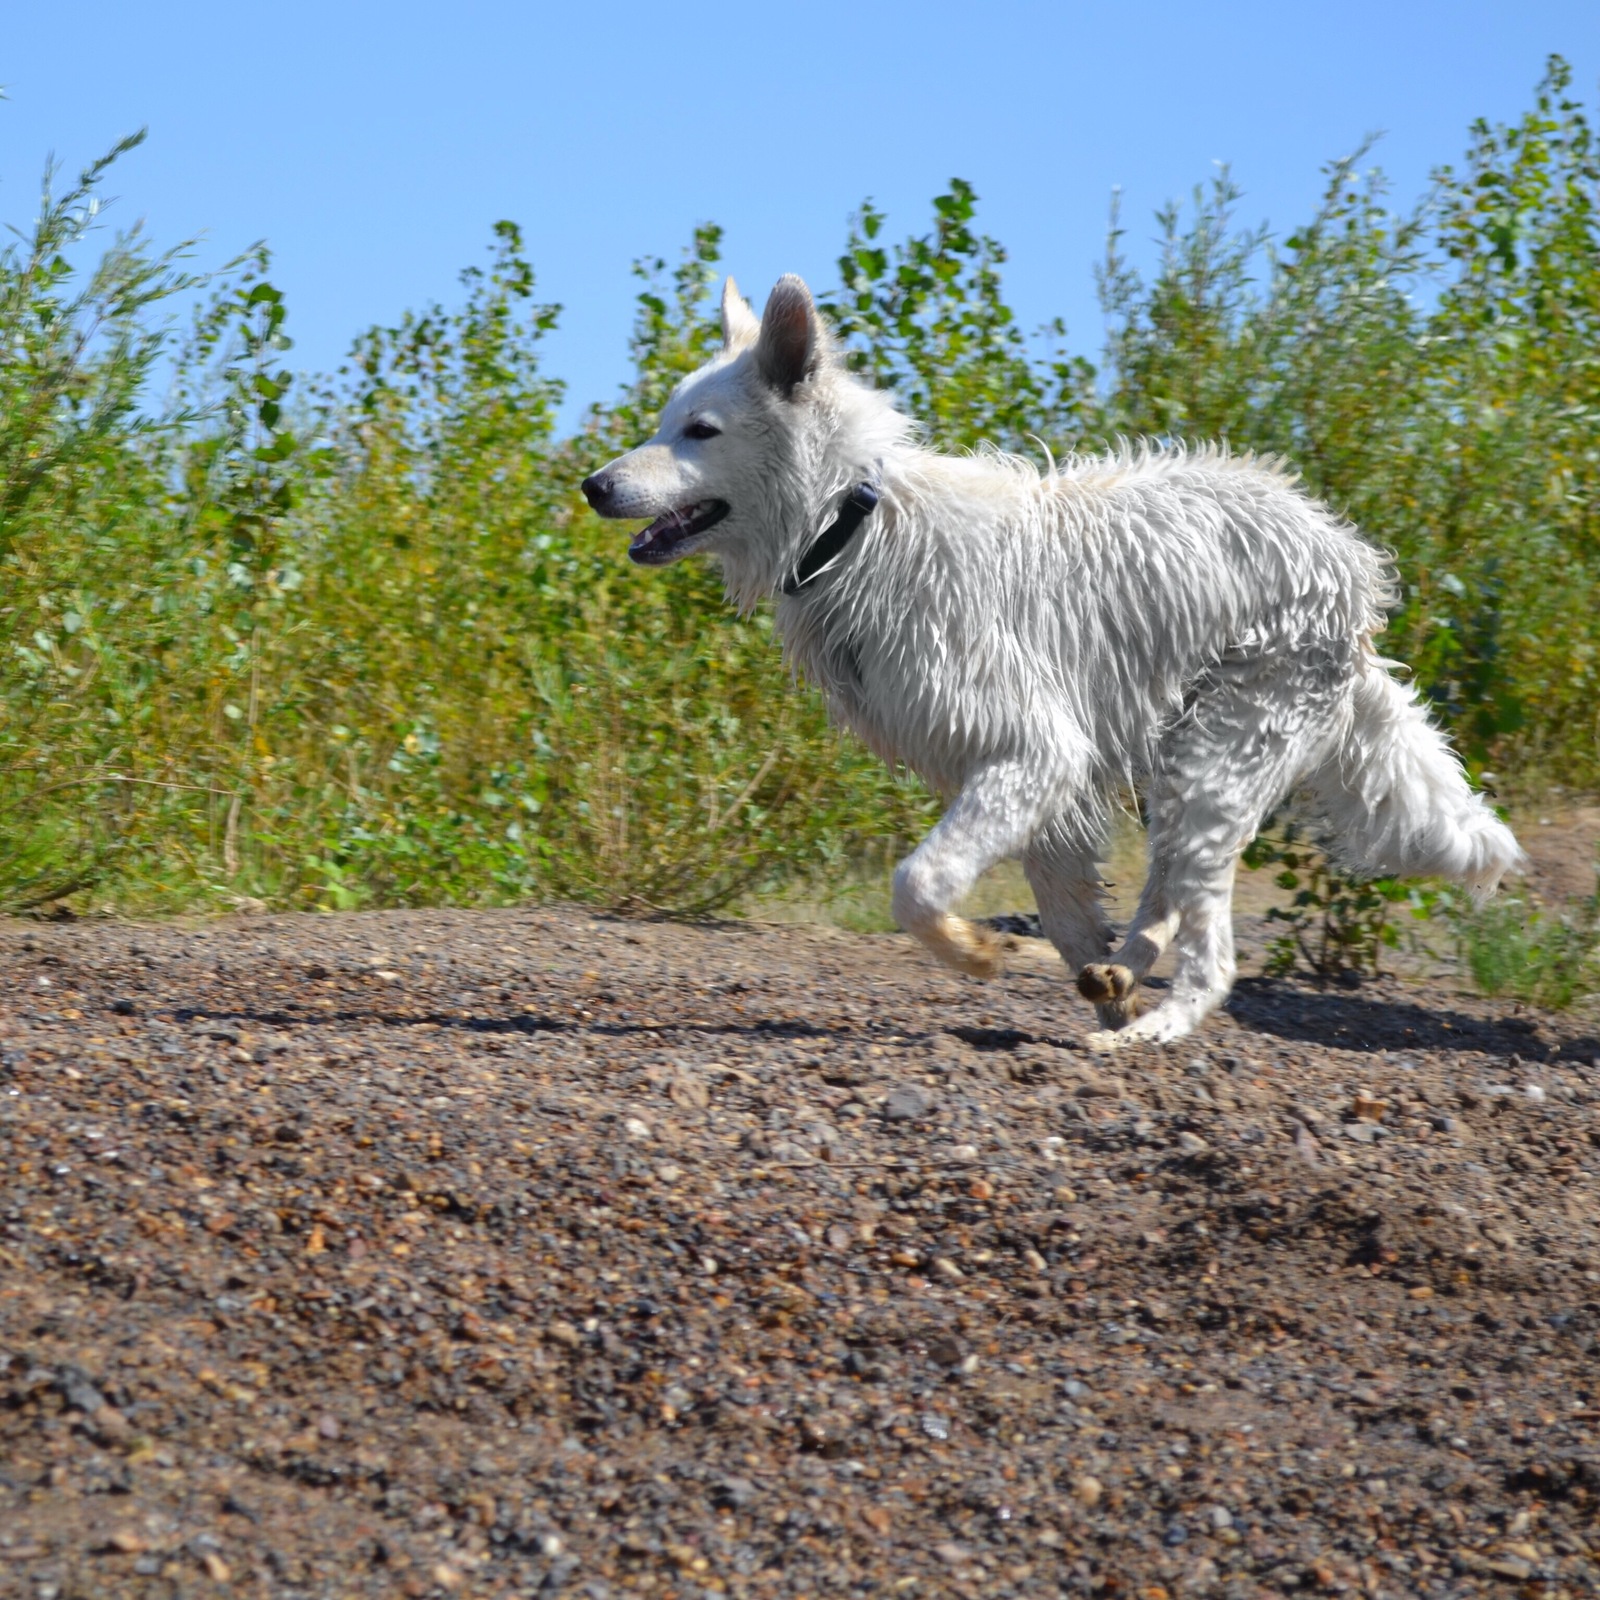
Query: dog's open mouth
{"type": "Point", "coordinates": [664, 538]}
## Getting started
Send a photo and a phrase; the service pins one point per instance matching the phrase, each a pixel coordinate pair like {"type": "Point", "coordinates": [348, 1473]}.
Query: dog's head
{"type": "Point", "coordinates": [749, 449]}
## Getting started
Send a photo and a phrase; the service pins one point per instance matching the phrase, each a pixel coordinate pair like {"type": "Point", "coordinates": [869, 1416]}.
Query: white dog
{"type": "Point", "coordinates": [1030, 643]}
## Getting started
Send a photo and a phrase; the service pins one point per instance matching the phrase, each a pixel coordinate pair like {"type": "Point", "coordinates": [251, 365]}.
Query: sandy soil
{"type": "Point", "coordinates": [522, 1253]}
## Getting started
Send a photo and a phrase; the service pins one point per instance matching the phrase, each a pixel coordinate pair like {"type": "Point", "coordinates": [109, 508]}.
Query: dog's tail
{"type": "Point", "coordinates": [1395, 799]}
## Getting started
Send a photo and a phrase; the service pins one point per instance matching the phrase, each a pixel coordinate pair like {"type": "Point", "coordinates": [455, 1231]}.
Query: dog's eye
{"type": "Point", "coordinates": [701, 430]}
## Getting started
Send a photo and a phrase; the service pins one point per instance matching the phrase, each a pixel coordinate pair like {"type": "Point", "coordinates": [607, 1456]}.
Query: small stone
{"type": "Point", "coordinates": [961, 1155]}
{"type": "Point", "coordinates": [636, 1128]}
{"type": "Point", "coordinates": [953, 1554]}
{"type": "Point", "coordinates": [1534, 1092]}
{"type": "Point", "coordinates": [1306, 1146]}
{"type": "Point", "coordinates": [733, 1494]}
{"type": "Point", "coordinates": [80, 1394]}
{"type": "Point", "coordinates": [122, 1007]}
{"type": "Point", "coordinates": [1192, 1144]}
{"type": "Point", "coordinates": [946, 1268]}
{"type": "Point", "coordinates": [216, 1568]}
{"type": "Point", "coordinates": [1367, 1107]}
{"type": "Point", "coordinates": [1090, 1087]}
{"type": "Point", "coordinates": [1175, 1534]}
{"type": "Point", "coordinates": [668, 1173]}
{"type": "Point", "coordinates": [1087, 1490]}
{"type": "Point", "coordinates": [945, 1350]}
{"type": "Point", "coordinates": [126, 1541]}
{"type": "Point", "coordinates": [1219, 1517]}
{"type": "Point", "coordinates": [907, 1102]}
{"type": "Point", "coordinates": [563, 1333]}
{"type": "Point", "coordinates": [839, 1237]}
{"type": "Point", "coordinates": [1034, 1261]}
{"type": "Point", "coordinates": [935, 1426]}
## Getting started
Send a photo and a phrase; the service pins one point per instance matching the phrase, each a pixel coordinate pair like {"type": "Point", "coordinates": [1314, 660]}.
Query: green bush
{"type": "Point", "coordinates": [1336, 925]}
{"type": "Point", "coordinates": [356, 639]}
{"type": "Point", "coordinates": [1510, 947]}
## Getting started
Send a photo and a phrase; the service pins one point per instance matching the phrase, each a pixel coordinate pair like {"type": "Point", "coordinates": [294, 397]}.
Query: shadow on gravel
{"type": "Point", "coordinates": [532, 1024]}
{"type": "Point", "coordinates": [1378, 1022]}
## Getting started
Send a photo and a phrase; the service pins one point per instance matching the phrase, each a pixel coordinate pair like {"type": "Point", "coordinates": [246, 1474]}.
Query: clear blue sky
{"type": "Point", "coordinates": [373, 145]}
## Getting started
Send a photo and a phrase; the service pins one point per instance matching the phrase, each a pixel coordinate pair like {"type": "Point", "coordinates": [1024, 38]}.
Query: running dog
{"type": "Point", "coordinates": [1031, 643]}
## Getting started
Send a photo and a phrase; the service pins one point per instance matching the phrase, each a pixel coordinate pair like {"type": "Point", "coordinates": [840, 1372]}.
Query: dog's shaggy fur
{"type": "Point", "coordinates": [1187, 621]}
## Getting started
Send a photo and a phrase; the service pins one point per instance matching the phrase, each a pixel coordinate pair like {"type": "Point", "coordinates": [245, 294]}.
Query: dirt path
{"type": "Point", "coordinates": [524, 1252]}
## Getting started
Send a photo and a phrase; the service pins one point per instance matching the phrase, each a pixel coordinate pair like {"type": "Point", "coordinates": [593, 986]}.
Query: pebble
{"type": "Point", "coordinates": [907, 1102]}
{"type": "Point", "coordinates": [734, 1493]}
{"type": "Point", "coordinates": [1191, 1143]}
{"type": "Point", "coordinates": [1087, 1490]}
{"type": "Point", "coordinates": [636, 1128]}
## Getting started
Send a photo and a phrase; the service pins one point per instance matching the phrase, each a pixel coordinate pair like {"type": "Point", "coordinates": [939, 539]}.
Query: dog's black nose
{"type": "Point", "coordinates": [597, 490]}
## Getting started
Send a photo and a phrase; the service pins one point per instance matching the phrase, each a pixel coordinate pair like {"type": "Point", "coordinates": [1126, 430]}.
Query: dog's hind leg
{"type": "Point", "coordinates": [1068, 888]}
{"type": "Point", "coordinates": [994, 818]}
{"type": "Point", "coordinates": [1254, 727]}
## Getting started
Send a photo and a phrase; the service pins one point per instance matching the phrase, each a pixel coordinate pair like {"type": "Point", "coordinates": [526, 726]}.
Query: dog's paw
{"type": "Point", "coordinates": [1105, 984]}
{"type": "Point", "coordinates": [1168, 1022]}
{"type": "Point", "coordinates": [977, 951]}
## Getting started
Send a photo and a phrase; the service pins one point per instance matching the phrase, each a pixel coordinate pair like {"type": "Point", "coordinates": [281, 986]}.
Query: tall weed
{"type": "Point", "coordinates": [1510, 947]}
{"type": "Point", "coordinates": [356, 639]}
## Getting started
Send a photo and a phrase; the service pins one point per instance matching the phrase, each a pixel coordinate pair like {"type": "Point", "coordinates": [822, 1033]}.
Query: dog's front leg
{"type": "Point", "coordinates": [994, 817]}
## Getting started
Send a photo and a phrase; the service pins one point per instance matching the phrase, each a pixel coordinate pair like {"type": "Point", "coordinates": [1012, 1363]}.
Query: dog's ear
{"type": "Point", "coordinates": [739, 325]}
{"type": "Point", "coordinates": [790, 339]}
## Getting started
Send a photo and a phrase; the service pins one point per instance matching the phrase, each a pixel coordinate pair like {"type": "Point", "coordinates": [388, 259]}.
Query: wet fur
{"type": "Point", "coordinates": [1031, 642]}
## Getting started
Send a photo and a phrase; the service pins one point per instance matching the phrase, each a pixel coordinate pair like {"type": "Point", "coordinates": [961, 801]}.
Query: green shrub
{"type": "Point", "coordinates": [356, 639]}
{"type": "Point", "coordinates": [1512, 948]}
{"type": "Point", "coordinates": [1337, 925]}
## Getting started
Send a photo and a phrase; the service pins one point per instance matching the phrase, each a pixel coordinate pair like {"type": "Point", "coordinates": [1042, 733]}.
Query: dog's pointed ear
{"type": "Point", "coordinates": [790, 338]}
{"type": "Point", "coordinates": [739, 325]}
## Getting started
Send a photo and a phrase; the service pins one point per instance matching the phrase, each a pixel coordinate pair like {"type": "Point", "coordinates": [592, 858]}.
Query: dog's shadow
{"type": "Point", "coordinates": [1382, 1022]}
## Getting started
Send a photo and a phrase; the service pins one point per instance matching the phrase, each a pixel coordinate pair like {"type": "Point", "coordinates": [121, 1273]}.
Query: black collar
{"type": "Point", "coordinates": [858, 505]}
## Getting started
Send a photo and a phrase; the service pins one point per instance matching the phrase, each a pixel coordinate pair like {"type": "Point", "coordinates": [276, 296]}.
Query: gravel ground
{"type": "Point", "coordinates": [516, 1253]}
